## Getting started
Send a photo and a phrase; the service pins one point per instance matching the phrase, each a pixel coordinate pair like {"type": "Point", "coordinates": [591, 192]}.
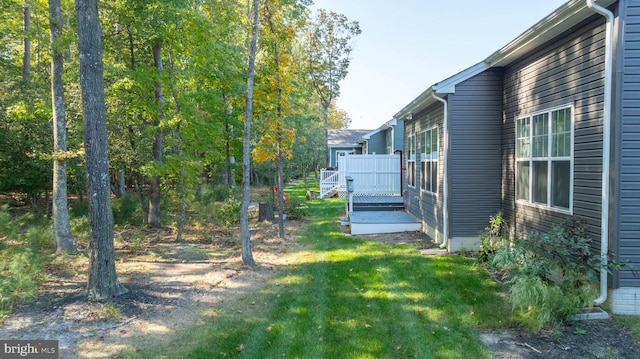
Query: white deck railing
{"type": "Point", "coordinates": [328, 182]}
{"type": "Point", "coordinates": [373, 175]}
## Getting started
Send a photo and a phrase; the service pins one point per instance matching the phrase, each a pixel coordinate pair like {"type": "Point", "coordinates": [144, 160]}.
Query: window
{"type": "Point", "coordinates": [544, 159]}
{"type": "Point", "coordinates": [411, 160]}
{"type": "Point", "coordinates": [429, 160]}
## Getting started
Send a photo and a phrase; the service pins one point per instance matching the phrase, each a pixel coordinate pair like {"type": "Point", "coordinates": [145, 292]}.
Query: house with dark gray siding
{"type": "Point", "coordinates": [545, 128]}
{"type": "Point", "coordinates": [386, 139]}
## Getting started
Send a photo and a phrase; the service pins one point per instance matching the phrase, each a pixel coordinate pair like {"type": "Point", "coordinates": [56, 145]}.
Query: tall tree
{"type": "Point", "coordinates": [283, 18]}
{"type": "Point", "coordinates": [329, 47]}
{"type": "Point", "coordinates": [26, 56]}
{"type": "Point", "coordinates": [65, 242]}
{"type": "Point", "coordinates": [247, 255]}
{"type": "Point", "coordinates": [103, 281]}
{"type": "Point", "coordinates": [154, 195]}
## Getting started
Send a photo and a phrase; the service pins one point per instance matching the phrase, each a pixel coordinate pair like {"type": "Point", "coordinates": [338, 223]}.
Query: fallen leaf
{"type": "Point", "coordinates": [240, 348]}
{"type": "Point", "coordinates": [268, 329]}
{"type": "Point", "coordinates": [367, 325]}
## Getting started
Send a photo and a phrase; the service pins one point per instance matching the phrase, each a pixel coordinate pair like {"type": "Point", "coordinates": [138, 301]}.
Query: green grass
{"type": "Point", "coordinates": [350, 298]}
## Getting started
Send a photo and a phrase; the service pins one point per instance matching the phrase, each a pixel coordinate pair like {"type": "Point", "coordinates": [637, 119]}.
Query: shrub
{"type": "Point", "coordinates": [80, 228]}
{"type": "Point", "coordinates": [228, 214]}
{"type": "Point", "coordinates": [216, 193]}
{"type": "Point", "coordinates": [295, 208]}
{"type": "Point", "coordinates": [19, 278]}
{"type": "Point", "coordinates": [551, 275]}
{"type": "Point", "coordinates": [126, 210]}
{"type": "Point", "coordinates": [491, 237]}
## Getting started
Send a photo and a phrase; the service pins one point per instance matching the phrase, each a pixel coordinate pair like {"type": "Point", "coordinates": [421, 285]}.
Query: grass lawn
{"type": "Point", "coordinates": [345, 297]}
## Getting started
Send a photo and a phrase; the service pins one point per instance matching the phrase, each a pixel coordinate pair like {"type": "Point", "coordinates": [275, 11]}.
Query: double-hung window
{"type": "Point", "coordinates": [544, 159]}
{"type": "Point", "coordinates": [411, 160]}
{"type": "Point", "coordinates": [429, 160]}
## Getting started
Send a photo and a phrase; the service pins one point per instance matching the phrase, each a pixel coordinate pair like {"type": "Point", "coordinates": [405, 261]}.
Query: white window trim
{"type": "Point", "coordinates": [412, 161]}
{"type": "Point", "coordinates": [571, 158]}
{"type": "Point", "coordinates": [423, 159]}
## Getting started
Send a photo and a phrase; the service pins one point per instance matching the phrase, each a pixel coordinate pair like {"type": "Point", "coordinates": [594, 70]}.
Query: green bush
{"type": "Point", "coordinates": [79, 209]}
{"type": "Point", "coordinates": [492, 237]}
{"type": "Point", "coordinates": [80, 228]}
{"type": "Point", "coordinates": [216, 192]}
{"type": "Point", "coordinates": [5, 222]}
{"type": "Point", "coordinates": [126, 210]}
{"type": "Point", "coordinates": [228, 215]}
{"type": "Point", "coordinates": [295, 208]}
{"type": "Point", "coordinates": [21, 271]}
{"type": "Point", "coordinates": [551, 275]}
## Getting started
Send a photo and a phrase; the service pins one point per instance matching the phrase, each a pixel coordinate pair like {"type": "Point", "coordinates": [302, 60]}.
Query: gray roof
{"type": "Point", "coordinates": [566, 16]}
{"type": "Point", "coordinates": [345, 137]}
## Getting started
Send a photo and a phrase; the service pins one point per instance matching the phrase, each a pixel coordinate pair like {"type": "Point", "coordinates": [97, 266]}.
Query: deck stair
{"type": "Point", "coordinates": [381, 203]}
{"type": "Point", "coordinates": [382, 214]}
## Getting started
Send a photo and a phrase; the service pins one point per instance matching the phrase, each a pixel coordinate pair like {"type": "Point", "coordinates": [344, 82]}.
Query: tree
{"type": "Point", "coordinates": [328, 48]}
{"type": "Point", "coordinates": [65, 242]}
{"type": "Point", "coordinates": [26, 58]}
{"type": "Point", "coordinates": [103, 281]}
{"type": "Point", "coordinates": [247, 255]}
{"type": "Point", "coordinates": [282, 18]}
{"type": "Point", "coordinates": [154, 196]}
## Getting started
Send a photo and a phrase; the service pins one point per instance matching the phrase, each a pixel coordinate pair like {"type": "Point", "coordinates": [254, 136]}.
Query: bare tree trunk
{"type": "Point", "coordinates": [103, 280]}
{"type": "Point", "coordinates": [247, 255]}
{"type": "Point", "coordinates": [183, 190]}
{"type": "Point", "coordinates": [122, 187]}
{"type": "Point", "coordinates": [144, 205]}
{"type": "Point", "coordinates": [154, 195]}
{"type": "Point", "coordinates": [26, 57]}
{"type": "Point", "coordinates": [326, 134]}
{"type": "Point", "coordinates": [65, 242]}
{"type": "Point", "coordinates": [231, 181]}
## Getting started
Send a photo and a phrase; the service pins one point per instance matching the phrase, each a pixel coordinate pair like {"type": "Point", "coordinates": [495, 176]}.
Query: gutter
{"type": "Point", "coordinates": [606, 148]}
{"type": "Point", "coordinates": [445, 180]}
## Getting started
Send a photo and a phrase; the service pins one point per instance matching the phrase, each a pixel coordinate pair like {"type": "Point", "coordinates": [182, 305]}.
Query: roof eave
{"type": "Point", "coordinates": [444, 87]}
{"type": "Point", "coordinates": [553, 25]}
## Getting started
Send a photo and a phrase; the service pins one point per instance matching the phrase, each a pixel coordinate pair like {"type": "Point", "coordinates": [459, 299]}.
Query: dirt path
{"type": "Point", "coordinates": [173, 286]}
{"type": "Point", "coordinates": [170, 286]}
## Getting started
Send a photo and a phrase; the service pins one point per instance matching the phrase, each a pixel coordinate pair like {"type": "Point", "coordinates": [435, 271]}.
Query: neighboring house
{"type": "Point", "coordinates": [546, 128]}
{"type": "Point", "coordinates": [386, 139]}
{"type": "Point", "coordinates": [342, 142]}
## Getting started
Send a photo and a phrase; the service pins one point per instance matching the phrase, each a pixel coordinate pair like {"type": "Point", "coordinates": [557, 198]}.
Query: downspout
{"type": "Point", "coordinates": [606, 147]}
{"type": "Point", "coordinates": [445, 179]}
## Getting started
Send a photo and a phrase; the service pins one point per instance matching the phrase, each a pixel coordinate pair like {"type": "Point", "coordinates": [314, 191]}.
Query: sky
{"type": "Point", "coordinates": [408, 45]}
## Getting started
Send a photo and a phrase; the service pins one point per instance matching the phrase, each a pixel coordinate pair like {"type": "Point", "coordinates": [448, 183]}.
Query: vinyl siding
{"type": "Point", "coordinates": [627, 185]}
{"type": "Point", "coordinates": [398, 136]}
{"type": "Point", "coordinates": [425, 205]}
{"type": "Point", "coordinates": [377, 144]}
{"type": "Point", "coordinates": [475, 113]}
{"type": "Point", "coordinates": [568, 71]}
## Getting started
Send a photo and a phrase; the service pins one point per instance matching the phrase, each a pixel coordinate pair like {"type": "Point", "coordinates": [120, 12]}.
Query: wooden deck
{"type": "Point", "coordinates": [378, 199]}
{"type": "Point", "coordinates": [372, 222]}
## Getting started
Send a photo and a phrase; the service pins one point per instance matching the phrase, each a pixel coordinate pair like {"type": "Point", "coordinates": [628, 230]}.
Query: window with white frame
{"type": "Point", "coordinates": [544, 159]}
{"type": "Point", "coordinates": [411, 160]}
{"type": "Point", "coordinates": [429, 160]}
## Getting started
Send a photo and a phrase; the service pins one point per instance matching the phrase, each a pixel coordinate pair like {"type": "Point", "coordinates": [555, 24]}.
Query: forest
{"type": "Point", "coordinates": [168, 100]}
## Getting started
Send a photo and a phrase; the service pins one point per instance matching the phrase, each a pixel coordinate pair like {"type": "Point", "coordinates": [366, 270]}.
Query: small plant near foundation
{"type": "Point", "coordinates": [551, 275]}
{"type": "Point", "coordinates": [492, 237]}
